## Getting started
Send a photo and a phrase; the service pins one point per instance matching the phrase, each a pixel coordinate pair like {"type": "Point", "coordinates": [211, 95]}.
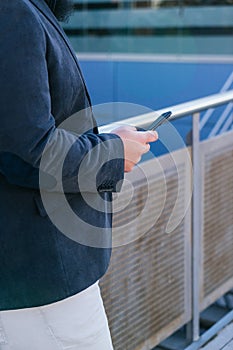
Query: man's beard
{"type": "Point", "coordinates": [62, 9]}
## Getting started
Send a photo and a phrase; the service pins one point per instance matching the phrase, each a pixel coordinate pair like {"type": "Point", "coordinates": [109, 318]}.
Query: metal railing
{"type": "Point", "coordinates": [178, 111]}
{"type": "Point", "coordinates": [193, 108]}
{"type": "Point", "coordinates": [225, 120]}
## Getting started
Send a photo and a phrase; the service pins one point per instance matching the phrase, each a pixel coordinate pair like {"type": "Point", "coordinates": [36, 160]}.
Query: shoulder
{"type": "Point", "coordinates": [18, 12]}
{"type": "Point", "coordinates": [17, 6]}
{"type": "Point", "coordinates": [20, 20]}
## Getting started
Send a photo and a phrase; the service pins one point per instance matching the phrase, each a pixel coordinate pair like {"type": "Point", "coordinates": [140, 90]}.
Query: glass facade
{"type": "Point", "coordinates": [152, 26]}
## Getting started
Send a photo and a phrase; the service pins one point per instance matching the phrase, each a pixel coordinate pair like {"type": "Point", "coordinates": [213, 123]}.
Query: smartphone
{"type": "Point", "coordinates": [160, 120]}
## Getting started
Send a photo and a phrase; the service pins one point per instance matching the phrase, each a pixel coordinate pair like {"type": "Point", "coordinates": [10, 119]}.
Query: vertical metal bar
{"type": "Point", "coordinates": [189, 332]}
{"type": "Point", "coordinates": [196, 227]}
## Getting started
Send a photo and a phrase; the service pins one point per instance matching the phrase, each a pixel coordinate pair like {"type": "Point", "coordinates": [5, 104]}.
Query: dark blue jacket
{"type": "Point", "coordinates": [41, 85]}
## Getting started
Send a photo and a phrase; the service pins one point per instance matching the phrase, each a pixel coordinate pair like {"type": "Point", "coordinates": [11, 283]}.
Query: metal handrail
{"type": "Point", "coordinates": [178, 111]}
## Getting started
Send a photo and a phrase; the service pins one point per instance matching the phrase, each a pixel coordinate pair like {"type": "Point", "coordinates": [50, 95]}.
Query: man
{"type": "Point", "coordinates": [49, 294]}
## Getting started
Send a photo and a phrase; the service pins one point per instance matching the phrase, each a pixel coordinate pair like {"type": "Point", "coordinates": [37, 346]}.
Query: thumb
{"type": "Point", "coordinates": [149, 136]}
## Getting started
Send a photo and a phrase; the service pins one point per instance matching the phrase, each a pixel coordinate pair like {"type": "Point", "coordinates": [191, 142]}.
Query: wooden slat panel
{"type": "Point", "coordinates": [146, 291]}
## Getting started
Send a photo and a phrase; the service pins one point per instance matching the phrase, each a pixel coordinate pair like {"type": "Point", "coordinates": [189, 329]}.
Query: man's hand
{"type": "Point", "coordinates": [136, 143]}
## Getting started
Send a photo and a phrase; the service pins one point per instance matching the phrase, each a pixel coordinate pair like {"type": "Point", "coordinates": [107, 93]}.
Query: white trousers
{"type": "Point", "coordinates": [76, 323]}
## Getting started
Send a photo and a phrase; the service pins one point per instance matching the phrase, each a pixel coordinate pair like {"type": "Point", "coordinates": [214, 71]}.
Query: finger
{"type": "Point", "coordinates": [123, 129]}
{"type": "Point", "coordinates": [147, 136]}
{"type": "Point", "coordinates": [128, 127]}
{"type": "Point", "coordinates": [131, 127]}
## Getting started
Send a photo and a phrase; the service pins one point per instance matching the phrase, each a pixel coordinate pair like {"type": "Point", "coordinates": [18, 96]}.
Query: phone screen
{"type": "Point", "coordinates": [160, 120]}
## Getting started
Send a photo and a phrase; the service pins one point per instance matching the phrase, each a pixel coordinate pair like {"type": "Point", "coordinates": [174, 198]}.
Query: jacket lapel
{"type": "Point", "coordinates": [44, 8]}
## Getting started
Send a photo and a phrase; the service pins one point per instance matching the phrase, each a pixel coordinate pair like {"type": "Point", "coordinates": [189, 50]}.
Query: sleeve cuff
{"type": "Point", "coordinates": [110, 176]}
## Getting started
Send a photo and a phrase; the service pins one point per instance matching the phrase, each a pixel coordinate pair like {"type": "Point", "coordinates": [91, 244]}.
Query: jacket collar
{"type": "Point", "coordinates": [43, 7]}
{"type": "Point", "coordinates": [46, 7]}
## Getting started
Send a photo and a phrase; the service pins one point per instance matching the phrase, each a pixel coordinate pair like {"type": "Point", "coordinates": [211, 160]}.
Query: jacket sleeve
{"type": "Point", "coordinates": [30, 143]}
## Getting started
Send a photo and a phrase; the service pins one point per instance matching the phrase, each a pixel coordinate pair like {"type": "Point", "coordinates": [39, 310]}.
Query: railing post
{"type": "Point", "coordinates": [196, 228]}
